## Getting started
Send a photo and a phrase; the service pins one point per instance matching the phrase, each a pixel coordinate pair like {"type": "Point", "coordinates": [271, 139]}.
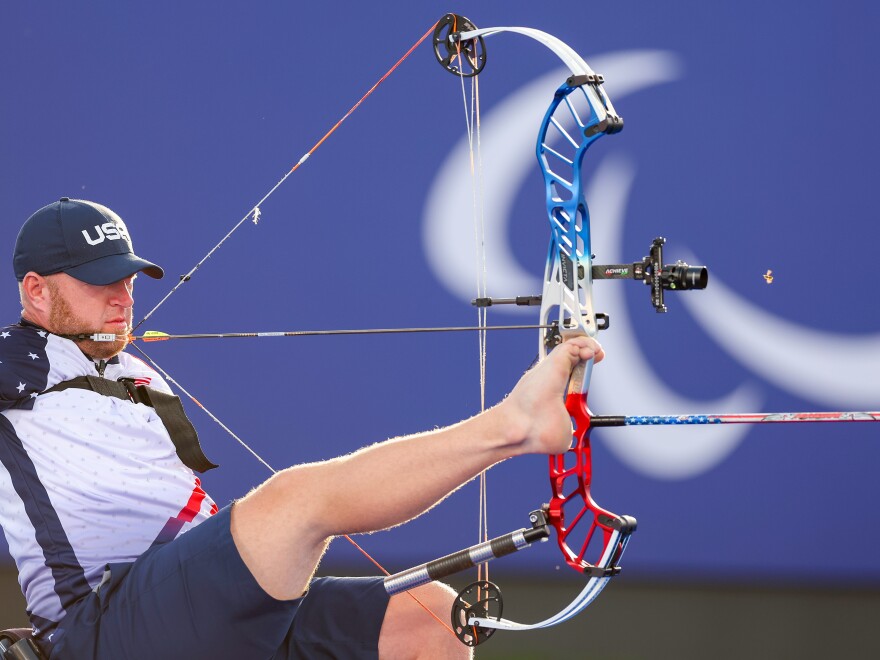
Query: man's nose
{"type": "Point", "coordinates": [121, 295]}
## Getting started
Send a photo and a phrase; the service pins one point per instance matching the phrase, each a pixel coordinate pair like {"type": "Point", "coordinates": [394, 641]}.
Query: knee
{"type": "Point", "coordinates": [421, 630]}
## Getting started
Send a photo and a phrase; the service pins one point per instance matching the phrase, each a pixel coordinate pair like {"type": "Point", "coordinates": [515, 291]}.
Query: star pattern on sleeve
{"type": "Point", "coordinates": [24, 366]}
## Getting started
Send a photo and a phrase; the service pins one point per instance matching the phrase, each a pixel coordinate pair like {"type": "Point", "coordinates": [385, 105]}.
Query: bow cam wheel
{"type": "Point", "coordinates": [481, 599]}
{"type": "Point", "coordinates": [460, 57]}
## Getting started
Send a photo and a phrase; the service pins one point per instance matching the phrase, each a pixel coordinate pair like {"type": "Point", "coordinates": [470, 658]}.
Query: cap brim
{"type": "Point", "coordinates": [113, 268]}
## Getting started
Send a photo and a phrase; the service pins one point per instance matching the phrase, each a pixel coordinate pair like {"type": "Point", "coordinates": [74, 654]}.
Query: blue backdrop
{"type": "Point", "coordinates": [749, 143]}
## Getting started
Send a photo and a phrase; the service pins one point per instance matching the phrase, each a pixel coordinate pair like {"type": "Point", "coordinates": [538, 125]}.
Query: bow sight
{"type": "Point", "coordinates": [651, 270]}
{"type": "Point", "coordinates": [659, 276]}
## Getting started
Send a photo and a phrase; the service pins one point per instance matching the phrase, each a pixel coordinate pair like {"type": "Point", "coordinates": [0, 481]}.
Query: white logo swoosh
{"type": "Point", "coordinates": [816, 365]}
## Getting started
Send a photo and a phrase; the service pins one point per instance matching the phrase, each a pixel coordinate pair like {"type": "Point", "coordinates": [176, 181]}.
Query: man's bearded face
{"type": "Point", "coordinates": [65, 321]}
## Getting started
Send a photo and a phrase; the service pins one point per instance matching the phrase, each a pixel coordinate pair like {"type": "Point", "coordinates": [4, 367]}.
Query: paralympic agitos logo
{"type": "Point", "coordinates": [775, 355]}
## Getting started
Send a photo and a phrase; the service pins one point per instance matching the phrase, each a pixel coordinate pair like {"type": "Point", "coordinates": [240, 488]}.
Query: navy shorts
{"type": "Point", "coordinates": [194, 598]}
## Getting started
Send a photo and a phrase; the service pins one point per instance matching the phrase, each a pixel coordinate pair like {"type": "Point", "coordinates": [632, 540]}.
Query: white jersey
{"type": "Point", "coordinates": [85, 479]}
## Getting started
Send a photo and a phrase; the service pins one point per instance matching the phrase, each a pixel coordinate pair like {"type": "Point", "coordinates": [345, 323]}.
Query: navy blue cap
{"type": "Point", "coordinates": [83, 239]}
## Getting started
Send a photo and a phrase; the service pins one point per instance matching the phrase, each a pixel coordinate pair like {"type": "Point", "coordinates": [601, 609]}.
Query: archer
{"type": "Point", "coordinates": [122, 554]}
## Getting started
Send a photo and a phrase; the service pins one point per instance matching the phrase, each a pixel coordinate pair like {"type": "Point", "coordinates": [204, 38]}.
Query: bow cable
{"type": "Point", "coordinates": [274, 471]}
{"type": "Point", "coordinates": [254, 213]}
{"type": "Point", "coordinates": [255, 210]}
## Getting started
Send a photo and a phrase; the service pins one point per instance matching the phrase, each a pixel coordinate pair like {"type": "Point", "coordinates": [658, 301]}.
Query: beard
{"type": "Point", "coordinates": [65, 322]}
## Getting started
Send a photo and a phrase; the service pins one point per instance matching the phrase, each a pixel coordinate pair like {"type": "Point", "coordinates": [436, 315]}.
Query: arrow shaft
{"type": "Point", "coordinates": [316, 333]}
{"type": "Point", "coordinates": [739, 418]}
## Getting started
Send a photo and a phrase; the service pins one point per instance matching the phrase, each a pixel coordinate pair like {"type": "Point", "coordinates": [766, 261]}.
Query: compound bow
{"type": "Point", "coordinates": [579, 114]}
{"type": "Point", "coordinates": [592, 539]}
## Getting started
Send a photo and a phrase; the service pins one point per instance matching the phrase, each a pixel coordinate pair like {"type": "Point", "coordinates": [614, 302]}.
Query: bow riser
{"type": "Point", "coordinates": [579, 114]}
{"type": "Point", "coordinates": [571, 125]}
{"type": "Point", "coordinates": [572, 511]}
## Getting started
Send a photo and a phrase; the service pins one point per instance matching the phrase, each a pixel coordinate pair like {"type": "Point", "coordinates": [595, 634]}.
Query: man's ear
{"type": "Point", "coordinates": [35, 295]}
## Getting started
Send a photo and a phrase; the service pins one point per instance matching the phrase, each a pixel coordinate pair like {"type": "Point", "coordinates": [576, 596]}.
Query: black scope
{"type": "Point", "coordinates": [682, 276]}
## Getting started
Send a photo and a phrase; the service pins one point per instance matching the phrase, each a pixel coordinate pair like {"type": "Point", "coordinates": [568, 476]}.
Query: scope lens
{"type": "Point", "coordinates": [696, 277]}
{"type": "Point", "coordinates": [682, 276]}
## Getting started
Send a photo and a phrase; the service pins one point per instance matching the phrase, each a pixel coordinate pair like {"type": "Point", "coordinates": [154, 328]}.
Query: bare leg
{"type": "Point", "coordinates": [411, 633]}
{"type": "Point", "coordinates": [283, 527]}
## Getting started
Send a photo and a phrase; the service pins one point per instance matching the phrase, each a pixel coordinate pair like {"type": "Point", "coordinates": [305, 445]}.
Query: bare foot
{"type": "Point", "coordinates": [535, 410]}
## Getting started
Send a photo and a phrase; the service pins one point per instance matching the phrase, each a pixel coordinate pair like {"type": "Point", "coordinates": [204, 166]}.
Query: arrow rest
{"type": "Point", "coordinates": [553, 337]}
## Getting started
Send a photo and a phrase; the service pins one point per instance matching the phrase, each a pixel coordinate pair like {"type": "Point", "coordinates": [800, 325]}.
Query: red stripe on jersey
{"type": "Point", "coordinates": [191, 510]}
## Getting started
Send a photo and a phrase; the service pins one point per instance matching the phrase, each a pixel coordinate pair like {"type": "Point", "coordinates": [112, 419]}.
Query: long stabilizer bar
{"type": "Point", "coordinates": [469, 557]}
